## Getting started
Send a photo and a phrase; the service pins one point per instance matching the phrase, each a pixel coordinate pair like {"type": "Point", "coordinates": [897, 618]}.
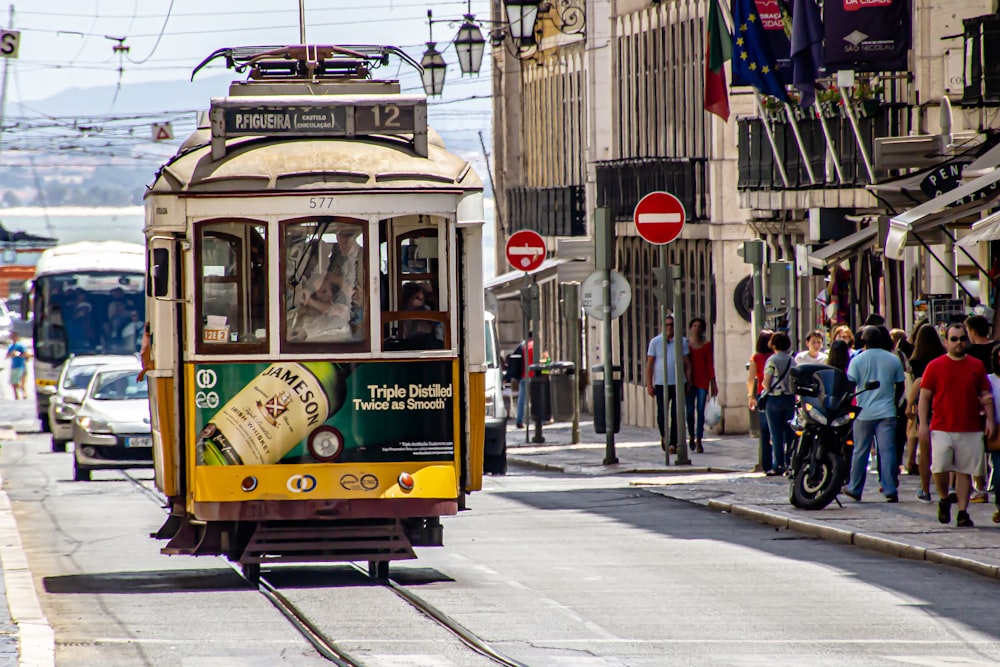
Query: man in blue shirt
{"type": "Point", "coordinates": [654, 378]}
{"type": "Point", "coordinates": [17, 354]}
{"type": "Point", "coordinates": [878, 413]}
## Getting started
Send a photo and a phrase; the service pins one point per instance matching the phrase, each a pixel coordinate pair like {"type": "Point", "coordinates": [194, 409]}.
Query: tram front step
{"type": "Point", "coordinates": [330, 542]}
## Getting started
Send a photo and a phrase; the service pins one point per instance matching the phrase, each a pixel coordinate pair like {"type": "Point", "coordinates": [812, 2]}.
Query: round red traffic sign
{"type": "Point", "coordinates": [525, 250]}
{"type": "Point", "coordinates": [659, 217]}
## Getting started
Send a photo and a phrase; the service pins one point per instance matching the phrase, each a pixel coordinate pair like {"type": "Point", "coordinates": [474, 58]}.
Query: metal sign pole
{"type": "Point", "coordinates": [680, 402]}
{"type": "Point", "coordinates": [536, 347]}
{"type": "Point", "coordinates": [526, 308]}
{"type": "Point", "coordinates": [605, 239]}
{"type": "Point", "coordinates": [665, 303]}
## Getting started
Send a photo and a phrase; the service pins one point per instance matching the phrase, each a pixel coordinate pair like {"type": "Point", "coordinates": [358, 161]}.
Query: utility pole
{"type": "Point", "coordinates": [3, 90]}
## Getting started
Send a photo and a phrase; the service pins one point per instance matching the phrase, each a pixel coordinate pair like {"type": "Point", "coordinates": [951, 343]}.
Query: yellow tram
{"type": "Point", "coordinates": [316, 314]}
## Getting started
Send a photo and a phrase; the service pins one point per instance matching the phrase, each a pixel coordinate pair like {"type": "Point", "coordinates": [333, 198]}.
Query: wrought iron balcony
{"type": "Point", "coordinates": [557, 211]}
{"type": "Point", "coordinates": [758, 160]}
{"type": "Point", "coordinates": [622, 183]}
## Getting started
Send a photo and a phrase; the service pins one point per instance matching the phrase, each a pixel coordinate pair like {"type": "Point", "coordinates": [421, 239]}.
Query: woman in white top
{"type": "Point", "coordinates": [813, 354]}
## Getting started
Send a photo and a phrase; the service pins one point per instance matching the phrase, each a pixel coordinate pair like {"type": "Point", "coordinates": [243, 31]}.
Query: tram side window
{"type": "Point", "coordinates": [326, 290]}
{"type": "Point", "coordinates": [233, 285]}
{"type": "Point", "coordinates": [410, 271]}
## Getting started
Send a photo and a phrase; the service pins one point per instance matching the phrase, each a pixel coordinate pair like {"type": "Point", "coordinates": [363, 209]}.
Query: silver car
{"type": "Point", "coordinates": [70, 388]}
{"type": "Point", "coordinates": [111, 428]}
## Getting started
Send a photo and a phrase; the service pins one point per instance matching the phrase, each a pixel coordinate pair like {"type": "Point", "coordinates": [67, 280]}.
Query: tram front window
{"type": "Point", "coordinates": [233, 285]}
{"type": "Point", "coordinates": [414, 309]}
{"type": "Point", "coordinates": [88, 313]}
{"type": "Point", "coordinates": [326, 292]}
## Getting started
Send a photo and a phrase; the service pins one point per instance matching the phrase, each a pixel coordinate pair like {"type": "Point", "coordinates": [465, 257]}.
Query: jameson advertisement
{"type": "Point", "coordinates": [308, 412]}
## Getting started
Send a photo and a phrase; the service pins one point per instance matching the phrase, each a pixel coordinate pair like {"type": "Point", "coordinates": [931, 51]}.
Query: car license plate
{"type": "Point", "coordinates": [139, 442]}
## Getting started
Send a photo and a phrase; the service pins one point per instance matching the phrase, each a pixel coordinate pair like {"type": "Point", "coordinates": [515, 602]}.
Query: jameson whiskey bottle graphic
{"type": "Point", "coordinates": [271, 415]}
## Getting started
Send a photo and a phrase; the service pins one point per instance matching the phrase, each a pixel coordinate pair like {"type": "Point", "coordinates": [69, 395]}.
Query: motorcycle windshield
{"type": "Point", "coordinates": [834, 386]}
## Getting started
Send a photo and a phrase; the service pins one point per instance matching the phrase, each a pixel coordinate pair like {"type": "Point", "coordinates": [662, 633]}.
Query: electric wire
{"type": "Point", "coordinates": [156, 44]}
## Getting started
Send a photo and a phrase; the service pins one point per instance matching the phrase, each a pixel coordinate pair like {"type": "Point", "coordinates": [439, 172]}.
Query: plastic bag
{"type": "Point", "coordinates": [713, 412]}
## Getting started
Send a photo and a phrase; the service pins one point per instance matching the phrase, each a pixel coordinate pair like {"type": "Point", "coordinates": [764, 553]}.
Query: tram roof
{"type": "Point", "coordinates": [285, 164]}
{"type": "Point", "coordinates": [92, 256]}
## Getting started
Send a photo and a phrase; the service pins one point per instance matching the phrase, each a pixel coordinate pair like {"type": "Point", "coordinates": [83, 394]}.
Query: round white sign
{"type": "Point", "coordinates": [592, 295]}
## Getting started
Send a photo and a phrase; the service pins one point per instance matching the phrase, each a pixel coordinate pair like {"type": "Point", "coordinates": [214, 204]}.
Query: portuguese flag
{"type": "Point", "coordinates": [718, 50]}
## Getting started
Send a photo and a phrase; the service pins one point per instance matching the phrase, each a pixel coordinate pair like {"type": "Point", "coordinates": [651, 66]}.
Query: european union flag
{"type": "Point", "coordinates": [754, 63]}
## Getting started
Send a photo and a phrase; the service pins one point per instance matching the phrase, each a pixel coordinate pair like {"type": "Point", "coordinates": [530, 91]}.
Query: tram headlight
{"type": "Point", "coordinates": [325, 443]}
{"type": "Point", "coordinates": [96, 426]}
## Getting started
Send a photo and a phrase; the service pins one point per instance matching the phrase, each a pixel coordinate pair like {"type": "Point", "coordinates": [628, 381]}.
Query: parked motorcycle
{"type": "Point", "coordinates": [818, 463]}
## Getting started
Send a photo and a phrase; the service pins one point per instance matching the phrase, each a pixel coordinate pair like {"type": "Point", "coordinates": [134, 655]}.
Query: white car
{"type": "Point", "coordinates": [111, 428]}
{"type": "Point", "coordinates": [495, 450]}
{"type": "Point", "coordinates": [70, 388]}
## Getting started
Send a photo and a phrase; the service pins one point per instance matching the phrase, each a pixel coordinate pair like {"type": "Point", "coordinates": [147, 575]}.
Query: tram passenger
{"type": "Point", "coordinates": [419, 334]}
{"type": "Point", "coordinates": [345, 270]}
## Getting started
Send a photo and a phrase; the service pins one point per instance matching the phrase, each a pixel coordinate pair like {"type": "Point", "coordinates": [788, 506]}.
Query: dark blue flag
{"type": "Point", "coordinates": [807, 48]}
{"type": "Point", "coordinates": [754, 63]}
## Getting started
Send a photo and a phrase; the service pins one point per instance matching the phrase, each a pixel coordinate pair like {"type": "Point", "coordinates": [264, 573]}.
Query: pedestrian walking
{"type": "Point", "coordinates": [755, 384]}
{"type": "Point", "coordinates": [953, 390]}
{"type": "Point", "coordinates": [780, 404]}
{"type": "Point", "coordinates": [813, 354]}
{"type": "Point", "coordinates": [518, 364]}
{"type": "Point", "coordinates": [18, 355]}
{"type": "Point", "coordinates": [703, 382]}
{"type": "Point", "coordinates": [927, 347]}
{"type": "Point", "coordinates": [878, 417]}
{"type": "Point", "coordinates": [656, 356]}
{"type": "Point", "coordinates": [980, 347]}
{"type": "Point", "coordinates": [839, 355]}
{"type": "Point", "coordinates": [844, 333]}
{"type": "Point", "coordinates": [993, 443]}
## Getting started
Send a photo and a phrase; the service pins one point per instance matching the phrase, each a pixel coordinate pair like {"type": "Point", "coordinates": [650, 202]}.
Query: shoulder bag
{"type": "Point", "coordinates": [762, 399]}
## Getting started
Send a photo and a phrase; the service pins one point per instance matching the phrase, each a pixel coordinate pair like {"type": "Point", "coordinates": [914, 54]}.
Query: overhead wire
{"type": "Point", "coordinates": [156, 44]}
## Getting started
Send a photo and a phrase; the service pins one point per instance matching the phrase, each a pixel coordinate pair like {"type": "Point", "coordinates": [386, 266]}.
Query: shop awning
{"type": "Point", "coordinates": [987, 229]}
{"type": "Point", "coordinates": [839, 250]}
{"type": "Point", "coordinates": [972, 198]}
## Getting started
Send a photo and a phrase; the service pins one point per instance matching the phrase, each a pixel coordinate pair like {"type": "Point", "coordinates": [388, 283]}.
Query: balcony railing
{"type": "Point", "coordinates": [557, 211]}
{"type": "Point", "coordinates": [622, 183]}
{"type": "Point", "coordinates": [758, 161]}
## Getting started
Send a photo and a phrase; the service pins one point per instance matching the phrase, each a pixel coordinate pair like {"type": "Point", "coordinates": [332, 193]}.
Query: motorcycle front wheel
{"type": "Point", "coordinates": [817, 490]}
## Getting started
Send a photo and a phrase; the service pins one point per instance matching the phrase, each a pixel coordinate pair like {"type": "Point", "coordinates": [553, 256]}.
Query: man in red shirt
{"type": "Point", "coordinates": [953, 392]}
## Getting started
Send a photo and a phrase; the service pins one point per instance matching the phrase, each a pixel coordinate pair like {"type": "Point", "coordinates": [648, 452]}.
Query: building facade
{"type": "Point", "coordinates": [604, 112]}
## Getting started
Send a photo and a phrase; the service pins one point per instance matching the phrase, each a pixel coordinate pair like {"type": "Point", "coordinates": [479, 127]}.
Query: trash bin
{"type": "Point", "coordinates": [538, 392]}
{"type": "Point", "coordinates": [562, 384]}
{"type": "Point", "coordinates": [600, 423]}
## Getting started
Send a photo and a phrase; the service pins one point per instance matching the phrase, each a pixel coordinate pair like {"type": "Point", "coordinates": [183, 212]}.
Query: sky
{"type": "Point", "coordinates": [71, 44]}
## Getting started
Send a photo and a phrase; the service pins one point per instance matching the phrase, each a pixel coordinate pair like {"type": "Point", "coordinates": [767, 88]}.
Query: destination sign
{"type": "Point", "coordinates": [309, 116]}
{"type": "Point", "coordinates": [290, 121]}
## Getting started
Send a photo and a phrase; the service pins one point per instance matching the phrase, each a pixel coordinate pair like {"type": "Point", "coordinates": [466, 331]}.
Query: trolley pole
{"type": "Point", "coordinates": [680, 403]}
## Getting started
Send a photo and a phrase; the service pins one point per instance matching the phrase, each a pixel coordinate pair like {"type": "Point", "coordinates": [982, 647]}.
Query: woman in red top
{"type": "Point", "coordinates": [755, 381]}
{"type": "Point", "coordinates": [702, 380]}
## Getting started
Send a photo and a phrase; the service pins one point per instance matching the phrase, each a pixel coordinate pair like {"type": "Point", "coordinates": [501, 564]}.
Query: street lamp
{"type": "Point", "coordinates": [521, 16]}
{"type": "Point", "coordinates": [433, 63]}
{"type": "Point", "coordinates": [469, 46]}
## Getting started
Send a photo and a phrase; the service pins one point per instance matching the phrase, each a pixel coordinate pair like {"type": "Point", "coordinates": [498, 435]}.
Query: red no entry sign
{"type": "Point", "coordinates": [659, 217]}
{"type": "Point", "coordinates": [525, 250]}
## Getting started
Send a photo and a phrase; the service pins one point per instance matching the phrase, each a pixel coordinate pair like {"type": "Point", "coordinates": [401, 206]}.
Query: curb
{"type": "Point", "coordinates": [868, 541]}
{"type": "Point", "coordinates": [673, 470]}
{"type": "Point", "coordinates": [36, 638]}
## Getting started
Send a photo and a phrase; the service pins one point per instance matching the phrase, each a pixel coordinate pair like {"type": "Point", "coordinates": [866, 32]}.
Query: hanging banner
{"type": "Point", "coordinates": [776, 19]}
{"type": "Point", "coordinates": [867, 35]}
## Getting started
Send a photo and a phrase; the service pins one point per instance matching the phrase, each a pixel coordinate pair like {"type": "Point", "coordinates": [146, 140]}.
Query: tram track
{"type": "Point", "coordinates": [328, 647]}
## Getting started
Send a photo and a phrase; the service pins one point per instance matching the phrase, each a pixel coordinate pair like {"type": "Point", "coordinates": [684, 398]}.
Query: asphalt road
{"type": "Point", "coordinates": [553, 570]}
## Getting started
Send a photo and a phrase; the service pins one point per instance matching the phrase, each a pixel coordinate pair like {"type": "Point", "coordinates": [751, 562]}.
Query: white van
{"type": "Point", "coordinates": [495, 453]}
